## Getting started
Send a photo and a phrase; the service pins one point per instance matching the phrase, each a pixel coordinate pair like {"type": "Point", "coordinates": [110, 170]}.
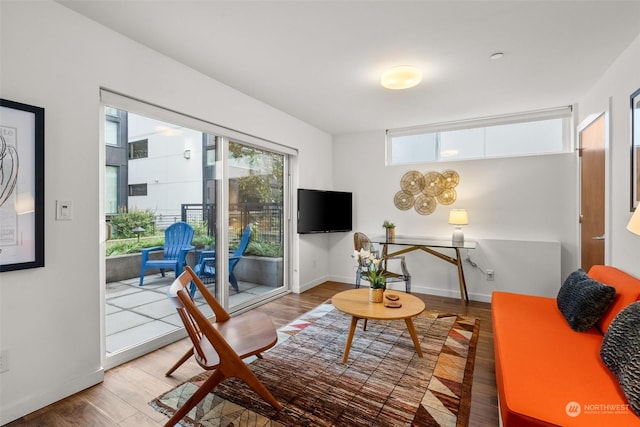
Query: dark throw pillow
{"type": "Point", "coordinates": [583, 301]}
{"type": "Point", "coordinates": [620, 352]}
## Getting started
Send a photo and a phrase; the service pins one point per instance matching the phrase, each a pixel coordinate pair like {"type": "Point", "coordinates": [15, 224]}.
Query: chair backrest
{"type": "Point", "coordinates": [361, 241]}
{"type": "Point", "coordinates": [244, 242]}
{"type": "Point", "coordinates": [196, 324]}
{"type": "Point", "coordinates": [176, 237]}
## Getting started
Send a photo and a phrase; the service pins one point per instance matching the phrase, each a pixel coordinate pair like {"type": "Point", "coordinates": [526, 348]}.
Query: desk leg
{"type": "Point", "coordinates": [347, 347]}
{"type": "Point", "coordinates": [463, 283]}
{"type": "Point", "coordinates": [414, 335]}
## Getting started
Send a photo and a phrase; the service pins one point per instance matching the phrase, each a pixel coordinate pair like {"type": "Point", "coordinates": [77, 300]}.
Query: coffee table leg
{"type": "Point", "coordinates": [414, 335]}
{"type": "Point", "coordinates": [347, 347]}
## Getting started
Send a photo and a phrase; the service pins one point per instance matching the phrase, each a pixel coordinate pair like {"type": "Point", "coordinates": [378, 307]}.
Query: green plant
{"type": "Point", "coordinates": [201, 237]}
{"type": "Point", "coordinates": [388, 224]}
{"type": "Point", "coordinates": [265, 249]}
{"type": "Point", "coordinates": [122, 225]}
{"type": "Point", "coordinates": [132, 246]}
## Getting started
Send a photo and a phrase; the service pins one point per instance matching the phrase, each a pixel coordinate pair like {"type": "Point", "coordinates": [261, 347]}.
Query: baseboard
{"type": "Point", "coordinates": [32, 403]}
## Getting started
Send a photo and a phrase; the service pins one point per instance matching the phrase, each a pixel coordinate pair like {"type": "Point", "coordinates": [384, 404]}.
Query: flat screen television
{"type": "Point", "coordinates": [321, 211]}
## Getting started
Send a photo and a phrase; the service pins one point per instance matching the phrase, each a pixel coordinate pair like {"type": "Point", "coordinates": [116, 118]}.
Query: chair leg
{"type": "Point", "coordinates": [183, 359]}
{"type": "Point", "coordinates": [256, 385]}
{"type": "Point", "coordinates": [234, 282]}
{"type": "Point", "coordinates": [211, 383]}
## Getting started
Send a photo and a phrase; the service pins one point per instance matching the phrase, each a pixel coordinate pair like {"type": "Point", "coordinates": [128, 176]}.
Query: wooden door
{"type": "Point", "coordinates": [592, 192]}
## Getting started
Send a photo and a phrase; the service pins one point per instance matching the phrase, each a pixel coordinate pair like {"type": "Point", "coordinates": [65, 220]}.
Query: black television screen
{"type": "Point", "coordinates": [322, 211]}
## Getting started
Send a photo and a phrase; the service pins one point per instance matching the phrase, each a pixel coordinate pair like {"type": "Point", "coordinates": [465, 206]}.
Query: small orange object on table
{"type": "Point", "coordinates": [356, 303]}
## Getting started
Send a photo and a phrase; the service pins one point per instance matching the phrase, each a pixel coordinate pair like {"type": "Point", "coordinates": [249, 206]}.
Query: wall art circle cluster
{"type": "Point", "coordinates": [423, 192]}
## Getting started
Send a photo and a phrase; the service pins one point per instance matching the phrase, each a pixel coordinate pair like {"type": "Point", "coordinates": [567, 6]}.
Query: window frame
{"type": "Point", "coordinates": [566, 114]}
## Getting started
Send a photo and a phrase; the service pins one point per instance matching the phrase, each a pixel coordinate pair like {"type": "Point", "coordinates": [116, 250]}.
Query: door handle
{"type": "Point", "coordinates": [599, 237]}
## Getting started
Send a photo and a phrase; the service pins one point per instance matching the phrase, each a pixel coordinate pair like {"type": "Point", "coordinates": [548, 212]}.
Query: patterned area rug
{"type": "Point", "coordinates": [384, 383]}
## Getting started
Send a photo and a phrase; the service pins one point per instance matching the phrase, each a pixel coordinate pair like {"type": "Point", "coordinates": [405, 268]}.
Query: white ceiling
{"type": "Point", "coordinates": [321, 61]}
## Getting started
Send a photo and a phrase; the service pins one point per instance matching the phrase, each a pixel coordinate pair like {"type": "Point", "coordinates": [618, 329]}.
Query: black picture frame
{"type": "Point", "coordinates": [21, 186]}
{"type": "Point", "coordinates": [635, 149]}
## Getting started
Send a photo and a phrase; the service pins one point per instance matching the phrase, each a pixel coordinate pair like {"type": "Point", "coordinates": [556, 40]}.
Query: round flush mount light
{"type": "Point", "coordinates": [496, 55]}
{"type": "Point", "coordinates": [402, 77]}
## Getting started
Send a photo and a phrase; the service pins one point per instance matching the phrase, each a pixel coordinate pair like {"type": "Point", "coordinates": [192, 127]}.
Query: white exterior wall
{"type": "Point", "coordinates": [51, 318]}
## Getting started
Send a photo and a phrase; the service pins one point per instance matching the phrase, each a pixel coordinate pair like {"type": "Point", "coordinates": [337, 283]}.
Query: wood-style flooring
{"type": "Point", "coordinates": [122, 399]}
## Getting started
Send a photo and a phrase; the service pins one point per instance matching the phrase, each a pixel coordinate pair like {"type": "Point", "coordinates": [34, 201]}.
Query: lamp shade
{"type": "Point", "coordinates": [634, 224]}
{"type": "Point", "coordinates": [458, 217]}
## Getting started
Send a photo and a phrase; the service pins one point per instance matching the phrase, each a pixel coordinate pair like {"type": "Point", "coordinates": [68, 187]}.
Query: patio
{"type": "Point", "coordinates": [135, 314]}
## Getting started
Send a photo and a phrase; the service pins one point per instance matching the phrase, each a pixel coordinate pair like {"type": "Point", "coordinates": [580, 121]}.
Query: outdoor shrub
{"type": "Point", "coordinates": [266, 249]}
{"type": "Point", "coordinates": [122, 225]}
{"type": "Point", "coordinates": [132, 247]}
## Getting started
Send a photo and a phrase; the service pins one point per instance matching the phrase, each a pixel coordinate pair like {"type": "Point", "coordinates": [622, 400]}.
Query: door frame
{"type": "Point", "coordinates": [607, 182]}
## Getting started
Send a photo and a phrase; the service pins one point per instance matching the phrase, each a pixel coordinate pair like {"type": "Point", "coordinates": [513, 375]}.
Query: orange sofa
{"type": "Point", "coordinates": [549, 375]}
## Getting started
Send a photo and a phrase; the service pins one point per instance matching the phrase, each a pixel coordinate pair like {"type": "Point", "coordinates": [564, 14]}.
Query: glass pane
{"type": "Point", "coordinates": [112, 133]}
{"type": "Point", "coordinates": [111, 189]}
{"type": "Point", "coordinates": [256, 200]}
{"type": "Point", "coordinates": [525, 138]}
{"type": "Point", "coordinates": [462, 144]}
{"type": "Point", "coordinates": [413, 148]}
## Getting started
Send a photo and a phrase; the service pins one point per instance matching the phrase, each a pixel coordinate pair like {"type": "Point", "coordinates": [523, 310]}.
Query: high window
{"type": "Point", "coordinates": [522, 134]}
{"type": "Point", "coordinates": [139, 149]}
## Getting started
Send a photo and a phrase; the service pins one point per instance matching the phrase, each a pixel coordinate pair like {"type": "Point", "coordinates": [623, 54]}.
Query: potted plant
{"type": "Point", "coordinates": [373, 273]}
{"type": "Point", "coordinates": [390, 230]}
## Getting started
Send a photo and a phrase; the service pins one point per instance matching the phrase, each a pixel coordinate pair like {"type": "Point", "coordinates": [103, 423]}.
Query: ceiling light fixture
{"type": "Point", "coordinates": [402, 77]}
{"type": "Point", "coordinates": [497, 55]}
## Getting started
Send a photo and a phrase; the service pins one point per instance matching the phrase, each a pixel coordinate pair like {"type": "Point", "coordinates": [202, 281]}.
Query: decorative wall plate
{"type": "Point", "coordinates": [412, 182]}
{"type": "Point", "coordinates": [447, 197]}
{"type": "Point", "coordinates": [433, 184]}
{"type": "Point", "coordinates": [450, 178]}
{"type": "Point", "coordinates": [425, 205]}
{"type": "Point", "coordinates": [403, 200]}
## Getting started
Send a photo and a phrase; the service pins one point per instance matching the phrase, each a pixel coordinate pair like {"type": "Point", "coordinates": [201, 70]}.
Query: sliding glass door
{"type": "Point", "coordinates": [256, 206]}
{"type": "Point", "coordinates": [233, 192]}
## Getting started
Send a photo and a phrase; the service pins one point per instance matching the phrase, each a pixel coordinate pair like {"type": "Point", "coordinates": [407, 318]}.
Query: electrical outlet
{"type": "Point", "coordinates": [491, 275]}
{"type": "Point", "coordinates": [4, 361]}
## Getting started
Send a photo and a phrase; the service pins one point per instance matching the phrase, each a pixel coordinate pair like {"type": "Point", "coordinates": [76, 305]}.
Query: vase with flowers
{"type": "Point", "coordinates": [373, 272]}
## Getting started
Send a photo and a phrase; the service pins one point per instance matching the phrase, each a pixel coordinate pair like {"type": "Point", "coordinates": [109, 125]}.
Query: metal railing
{"type": "Point", "coordinates": [267, 219]}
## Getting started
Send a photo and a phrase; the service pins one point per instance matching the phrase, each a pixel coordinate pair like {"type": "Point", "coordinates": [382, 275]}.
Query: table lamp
{"type": "Point", "coordinates": [458, 217]}
{"type": "Point", "coordinates": [634, 224]}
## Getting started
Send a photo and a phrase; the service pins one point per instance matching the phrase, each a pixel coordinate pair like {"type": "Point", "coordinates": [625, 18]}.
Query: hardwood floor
{"type": "Point", "coordinates": [122, 399]}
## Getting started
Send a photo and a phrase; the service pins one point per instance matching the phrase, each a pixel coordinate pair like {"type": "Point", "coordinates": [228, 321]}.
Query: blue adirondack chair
{"type": "Point", "coordinates": [206, 267]}
{"type": "Point", "coordinates": [177, 243]}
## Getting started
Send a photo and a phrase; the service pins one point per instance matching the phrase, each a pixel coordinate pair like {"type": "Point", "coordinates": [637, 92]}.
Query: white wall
{"type": "Point", "coordinates": [531, 200]}
{"type": "Point", "coordinates": [611, 94]}
{"type": "Point", "coordinates": [51, 317]}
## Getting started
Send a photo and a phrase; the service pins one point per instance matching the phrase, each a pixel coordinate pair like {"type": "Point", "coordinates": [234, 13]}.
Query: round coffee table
{"type": "Point", "coordinates": [356, 303]}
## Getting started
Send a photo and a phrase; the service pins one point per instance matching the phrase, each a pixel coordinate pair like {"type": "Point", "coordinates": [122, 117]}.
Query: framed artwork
{"type": "Point", "coordinates": [21, 186]}
{"type": "Point", "coordinates": [635, 149]}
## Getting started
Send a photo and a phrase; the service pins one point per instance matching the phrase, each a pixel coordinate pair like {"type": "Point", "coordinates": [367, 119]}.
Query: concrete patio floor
{"type": "Point", "coordinates": [135, 314]}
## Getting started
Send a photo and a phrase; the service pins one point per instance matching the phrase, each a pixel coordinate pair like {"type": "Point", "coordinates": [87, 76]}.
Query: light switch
{"type": "Point", "coordinates": [64, 211]}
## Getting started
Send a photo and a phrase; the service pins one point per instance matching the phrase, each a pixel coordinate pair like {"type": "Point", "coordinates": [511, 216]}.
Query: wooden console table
{"type": "Point", "coordinates": [429, 246]}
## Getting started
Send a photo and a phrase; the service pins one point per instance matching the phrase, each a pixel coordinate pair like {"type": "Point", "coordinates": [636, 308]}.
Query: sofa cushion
{"type": "Point", "coordinates": [627, 290]}
{"type": "Point", "coordinates": [620, 352]}
{"type": "Point", "coordinates": [583, 301]}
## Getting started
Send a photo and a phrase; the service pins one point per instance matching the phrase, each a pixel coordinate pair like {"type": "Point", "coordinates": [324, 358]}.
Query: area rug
{"type": "Point", "coordinates": [384, 383]}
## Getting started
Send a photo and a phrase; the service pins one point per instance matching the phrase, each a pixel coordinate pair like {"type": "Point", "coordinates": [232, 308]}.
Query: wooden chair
{"type": "Point", "coordinates": [362, 241]}
{"type": "Point", "coordinates": [177, 243]}
{"type": "Point", "coordinates": [220, 346]}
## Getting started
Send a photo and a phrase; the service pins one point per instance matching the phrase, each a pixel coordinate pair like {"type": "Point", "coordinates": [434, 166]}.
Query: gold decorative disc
{"type": "Point", "coordinates": [412, 182]}
{"type": "Point", "coordinates": [447, 197]}
{"type": "Point", "coordinates": [433, 184]}
{"type": "Point", "coordinates": [450, 178]}
{"type": "Point", "coordinates": [425, 205]}
{"type": "Point", "coordinates": [403, 200]}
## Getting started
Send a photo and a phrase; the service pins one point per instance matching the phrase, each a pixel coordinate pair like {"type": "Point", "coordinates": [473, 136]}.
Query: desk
{"type": "Point", "coordinates": [356, 303]}
{"type": "Point", "coordinates": [429, 245]}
